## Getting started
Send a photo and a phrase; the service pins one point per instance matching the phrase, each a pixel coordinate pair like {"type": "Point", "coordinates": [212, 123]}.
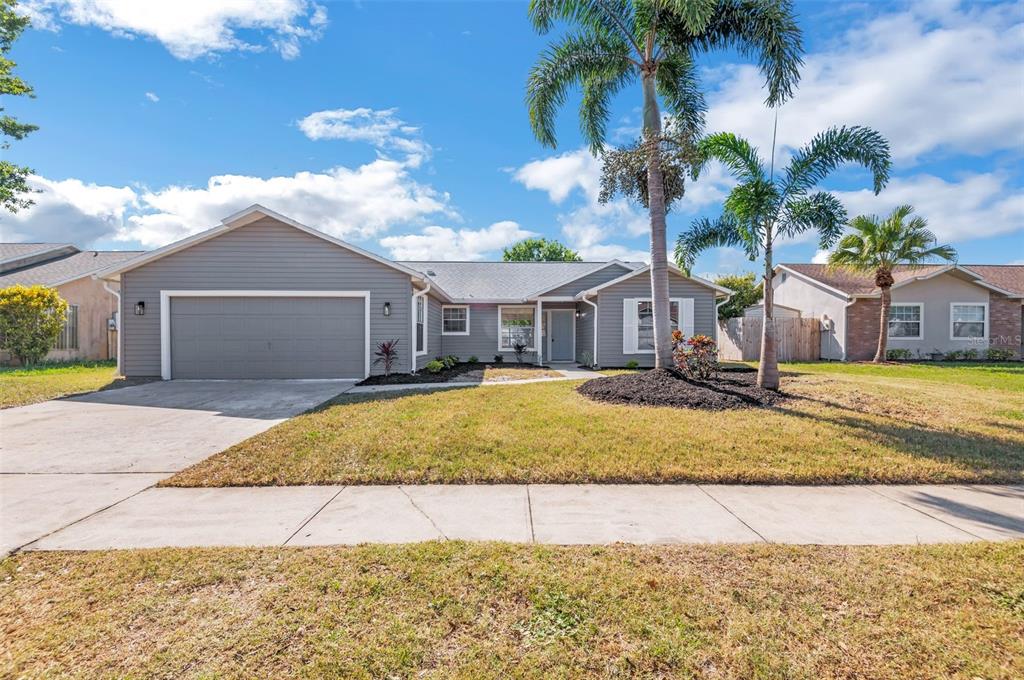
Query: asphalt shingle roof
{"type": "Point", "coordinates": [52, 272]}
{"type": "Point", "coordinates": [1008, 277]}
{"type": "Point", "coordinates": [12, 250]}
{"type": "Point", "coordinates": [502, 280]}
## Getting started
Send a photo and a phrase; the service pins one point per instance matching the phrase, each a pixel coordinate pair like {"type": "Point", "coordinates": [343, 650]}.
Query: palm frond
{"type": "Point", "coordinates": [736, 153]}
{"type": "Point", "coordinates": [693, 15]}
{"type": "Point", "coordinates": [821, 211]}
{"type": "Point", "coordinates": [830, 149]}
{"type": "Point", "coordinates": [706, 233]}
{"type": "Point", "coordinates": [595, 107]}
{"type": "Point", "coordinates": [679, 86]}
{"type": "Point", "coordinates": [875, 243]}
{"type": "Point", "coordinates": [572, 62]}
{"type": "Point", "coordinates": [604, 17]}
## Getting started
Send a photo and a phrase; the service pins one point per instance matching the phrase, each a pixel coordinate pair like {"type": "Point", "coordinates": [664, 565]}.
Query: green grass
{"type": "Point", "coordinates": [489, 610]}
{"type": "Point", "coordinates": [20, 386]}
{"type": "Point", "coordinates": [1000, 375]}
{"type": "Point", "coordinates": [849, 424]}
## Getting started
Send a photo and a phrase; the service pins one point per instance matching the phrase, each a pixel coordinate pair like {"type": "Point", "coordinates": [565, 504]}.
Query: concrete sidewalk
{"type": "Point", "coordinates": [552, 514]}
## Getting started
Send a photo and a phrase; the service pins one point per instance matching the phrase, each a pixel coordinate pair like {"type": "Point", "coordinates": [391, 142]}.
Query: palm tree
{"type": "Point", "coordinates": [617, 42]}
{"type": "Point", "coordinates": [761, 208]}
{"type": "Point", "coordinates": [876, 246]}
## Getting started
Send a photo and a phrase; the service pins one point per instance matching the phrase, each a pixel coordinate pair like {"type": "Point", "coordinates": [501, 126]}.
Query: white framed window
{"type": "Point", "coordinates": [968, 320]}
{"type": "Point", "coordinates": [68, 338]}
{"type": "Point", "coordinates": [516, 325]}
{"type": "Point", "coordinates": [638, 322]}
{"type": "Point", "coordinates": [455, 320]}
{"type": "Point", "coordinates": [421, 325]}
{"type": "Point", "coordinates": [905, 321]}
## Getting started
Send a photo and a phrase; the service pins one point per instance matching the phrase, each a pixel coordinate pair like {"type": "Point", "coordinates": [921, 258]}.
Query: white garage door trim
{"type": "Point", "coordinates": [165, 315]}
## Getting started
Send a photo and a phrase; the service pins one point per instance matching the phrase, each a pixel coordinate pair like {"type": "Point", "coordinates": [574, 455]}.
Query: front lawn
{"type": "Point", "coordinates": [491, 610]}
{"type": "Point", "coordinates": [476, 372]}
{"type": "Point", "coordinates": [21, 386]}
{"type": "Point", "coordinates": [844, 424]}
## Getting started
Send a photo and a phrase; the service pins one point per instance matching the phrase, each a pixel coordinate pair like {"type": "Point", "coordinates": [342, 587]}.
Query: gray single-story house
{"type": "Point", "coordinates": [935, 308]}
{"type": "Point", "coordinates": [263, 296]}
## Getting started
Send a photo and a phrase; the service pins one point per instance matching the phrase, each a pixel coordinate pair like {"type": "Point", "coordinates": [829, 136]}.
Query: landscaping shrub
{"type": "Point", "coordinates": [897, 354]}
{"type": "Point", "coordinates": [474, 359]}
{"type": "Point", "coordinates": [498, 358]}
{"type": "Point", "coordinates": [587, 358]}
{"type": "Point", "coordinates": [696, 357]}
{"type": "Point", "coordinates": [970, 354]}
{"type": "Point", "coordinates": [387, 354]}
{"type": "Point", "coordinates": [954, 355]}
{"type": "Point", "coordinates": [434, 366]}
{"type": "Point", "coordinates": [632, 364]}
{"type": "Point", "coordinates": [994, 354]}
{"type": "Point", "coordinates": [31, 319]}
{"type": "Point", "coordinates": [520, 349]}
{"type": "Point", "coordinates": [450, 361]}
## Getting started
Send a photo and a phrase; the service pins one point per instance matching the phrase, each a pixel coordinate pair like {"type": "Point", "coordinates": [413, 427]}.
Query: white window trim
{"type": "Point", "coordinates": [536, 330]}
{"type": "Point", "coordinates": [636, 320]}
{"type": "Point", "coordinates": [444, 307]}
{"type": "Point", "coordinates": [426, 318]}
{"type": "Point", "coordinates": [547, 336]}
{"type": "Point", "coordinates": [165, 315]}
{"type": "Point", "coordinates": [920, 324]}
{"type": "Point", "coordinates": [967, 304]}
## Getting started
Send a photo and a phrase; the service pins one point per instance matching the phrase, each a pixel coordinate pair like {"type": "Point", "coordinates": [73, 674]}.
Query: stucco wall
{"type": "Point", "coordinates": [936, 294]}
{"type": "Point", "coordinates": [815, 302]}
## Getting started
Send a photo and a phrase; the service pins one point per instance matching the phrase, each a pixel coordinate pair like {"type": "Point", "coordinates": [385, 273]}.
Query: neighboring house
{"type": "Point", "coordinates": [262, 296]}
{"type": "Point", "coordinates": [89, 331]}
{"type": "Point", "coordinates": [934, 307]}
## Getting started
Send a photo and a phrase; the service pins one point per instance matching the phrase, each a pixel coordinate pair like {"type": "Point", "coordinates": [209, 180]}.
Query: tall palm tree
{"type": "Point", "coordinates": [617, 42]}
{"type": "Point", "coordinates": [762, 208]}
{"type": "Point", "coordinates": [876, 246]}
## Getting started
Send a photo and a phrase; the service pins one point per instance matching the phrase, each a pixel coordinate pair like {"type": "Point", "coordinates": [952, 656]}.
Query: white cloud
{"type": "Point", "coordinates": [820, 257]}
{"type": "Point", "coordinates": [934, 78]}
{"type": "Point", "coordinates": [378, 127]}
{"type": "Point", "coordinates": [976, 206]}
{"type": "Point", "coordinates": [560, 175]}
{"type": "Point", "coordinates": [151, 96]}
{"type": "Point", "coordinates": [444, 243]}
{"type": "Point", "coordinates": [190, 29]}
{"type": "Point", "coordinates": [70, 210]}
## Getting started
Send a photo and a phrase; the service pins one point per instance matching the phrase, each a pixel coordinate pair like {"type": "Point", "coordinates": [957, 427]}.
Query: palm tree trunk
{"type": "Point", "coordinates": [883, 324]}
{"type": "Point", "coordinates": [768, 367]}
{"type": "Point", "coordinates": [656, 209]}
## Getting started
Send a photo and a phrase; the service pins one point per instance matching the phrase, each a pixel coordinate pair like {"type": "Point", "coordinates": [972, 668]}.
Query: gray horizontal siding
{"type": "Point", "coordinates": [584, 331]}
{"type": "Point", "coordinates": [434, 347]}
{"type": "Point", "coordinates": [589, 281]}
{"type": "Point", "coordinates": [482, 340]}
{"type": "Point", "coordinates": [264, 255]}
{"type": "Point", "coordinates": [609, 301]}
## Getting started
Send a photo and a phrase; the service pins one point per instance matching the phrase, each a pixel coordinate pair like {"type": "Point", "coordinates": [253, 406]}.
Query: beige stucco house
{"type": "Point", "coordinates": [935, 308]}
{"type": "Point", "coordinates": [90, 329]}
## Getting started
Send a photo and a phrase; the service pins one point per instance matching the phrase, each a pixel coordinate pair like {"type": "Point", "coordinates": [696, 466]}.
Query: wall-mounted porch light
{"type": "Point", "coordinates": [387, 309]}
{"type": "Point", "coordinates": [140, 308]}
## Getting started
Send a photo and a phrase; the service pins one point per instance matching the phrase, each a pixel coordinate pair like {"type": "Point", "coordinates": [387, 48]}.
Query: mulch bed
{"type": "Point", "coordinates": [664, 387]}
{"type": "Point", "coordinates": [446, 375]}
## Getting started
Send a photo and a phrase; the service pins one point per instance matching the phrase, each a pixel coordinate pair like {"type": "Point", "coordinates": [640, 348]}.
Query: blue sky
{"type": "Point", "coordinates": [401, 126]}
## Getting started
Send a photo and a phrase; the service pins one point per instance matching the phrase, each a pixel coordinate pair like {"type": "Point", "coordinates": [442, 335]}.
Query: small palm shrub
{"type": "Point", "coordinates": [434, 366]}
{"type": "Point", "coordinates": [450, 361]}
{"type": "Point", "coordinates": [498, 358]}
{"type": "Point", "coordinates": [696, 357]}
{"type": "Point", "coordinates": [387, 354]}
{"type": "Point", "coordinates": [520, 349]}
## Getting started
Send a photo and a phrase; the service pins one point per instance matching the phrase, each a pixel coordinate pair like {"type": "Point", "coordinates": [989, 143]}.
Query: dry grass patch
{"type": "Point", "coordinates": [21, 386]}
{"type": "Point", "coordinates": [488, 610]}
{"type": "Point", "coordinates": [837, 428]}
{"type": "Point", "coordinates": [499, 373]}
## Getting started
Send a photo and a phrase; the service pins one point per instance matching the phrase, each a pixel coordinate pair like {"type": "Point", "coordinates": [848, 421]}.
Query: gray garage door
{"type": "Point", "coordinates": [267, 337]}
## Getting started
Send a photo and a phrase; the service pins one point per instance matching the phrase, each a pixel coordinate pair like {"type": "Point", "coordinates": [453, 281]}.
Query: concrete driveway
{"type": "Point", "coordinates": [66, 459]}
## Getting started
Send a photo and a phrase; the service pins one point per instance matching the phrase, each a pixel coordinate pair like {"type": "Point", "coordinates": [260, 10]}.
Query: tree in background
{"type": "Point", "coordinates": [539, 250]}
{"type": "Point", "coordinates": [617, 42]}
{"type": "Point", "coordinates": [761, 208]}
{"type": "Point", "coordinates": [746, 291]}
{"type": "Point", "coordinates": [31, 319]}
{"type": "Point", "coordinates": [877, 246]}
{"type": "Point", "coordinates": [14, 188]}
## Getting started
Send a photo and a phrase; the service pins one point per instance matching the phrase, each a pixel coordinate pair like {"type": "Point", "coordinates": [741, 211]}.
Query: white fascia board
{"type": "Point", "coordinates": [816, 282]}
{"type": "Point", "coordinates": [646, 268]}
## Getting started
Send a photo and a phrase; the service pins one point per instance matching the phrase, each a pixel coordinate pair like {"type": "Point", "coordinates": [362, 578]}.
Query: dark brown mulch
{"type": "Point", "coordinates": [664, 387]}
{"type": "Point", "coordinates": [446, 375]}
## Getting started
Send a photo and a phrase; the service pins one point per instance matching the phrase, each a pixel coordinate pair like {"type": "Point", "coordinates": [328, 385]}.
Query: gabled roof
{"type": "Point", "coordinates": [66, 268]}
{"type": "Point", "coordinates": [248, 216]}
{"type": "Point", "coordinates": [1005, 279]}
{"type": "Point", "coordinates": [646, 268]}
{"type": "Point", "coordinates": [505, 281]}
{"type": "Point", "coordinates": [18, 255]}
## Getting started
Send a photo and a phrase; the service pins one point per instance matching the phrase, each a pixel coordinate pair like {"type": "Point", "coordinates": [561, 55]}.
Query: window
{"type": "Point", "coordinates": [515, 326]}
{"type": "Point", "coordinates": [455, 320]}
{"type": "Point", "coordinates": [421, 324]}
{"type": "Point", "coordinates": [968, 320]}
{"type": "Point", "coordinates": [645, 323]}
{"type": "Point", "coordinates": [905, 321]}
{"type": "Point", "coordinates": [68, 338]}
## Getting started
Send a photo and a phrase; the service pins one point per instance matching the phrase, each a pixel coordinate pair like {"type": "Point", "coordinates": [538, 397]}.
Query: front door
{"type": "Point", "coordinates": [560, 335]}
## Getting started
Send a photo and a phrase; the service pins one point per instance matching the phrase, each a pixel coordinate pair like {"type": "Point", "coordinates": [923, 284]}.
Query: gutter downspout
{"type": "Point", "coordinates": [594, 305]}
{"type": "Point", "coordinates": [412, 336]}
{"type": "Point", "coordinates": [538, 335]}
{"type": "Point", "coordinates": [717, 307]}
{"type": "Point", "coordinates": [117, 327]}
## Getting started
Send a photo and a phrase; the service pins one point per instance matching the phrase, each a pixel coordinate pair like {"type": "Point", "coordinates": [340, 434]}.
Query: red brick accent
{"type": "Point", "coordinates": [1004, 326]}
{"type": "Point", "coordinates": [862, 329]}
